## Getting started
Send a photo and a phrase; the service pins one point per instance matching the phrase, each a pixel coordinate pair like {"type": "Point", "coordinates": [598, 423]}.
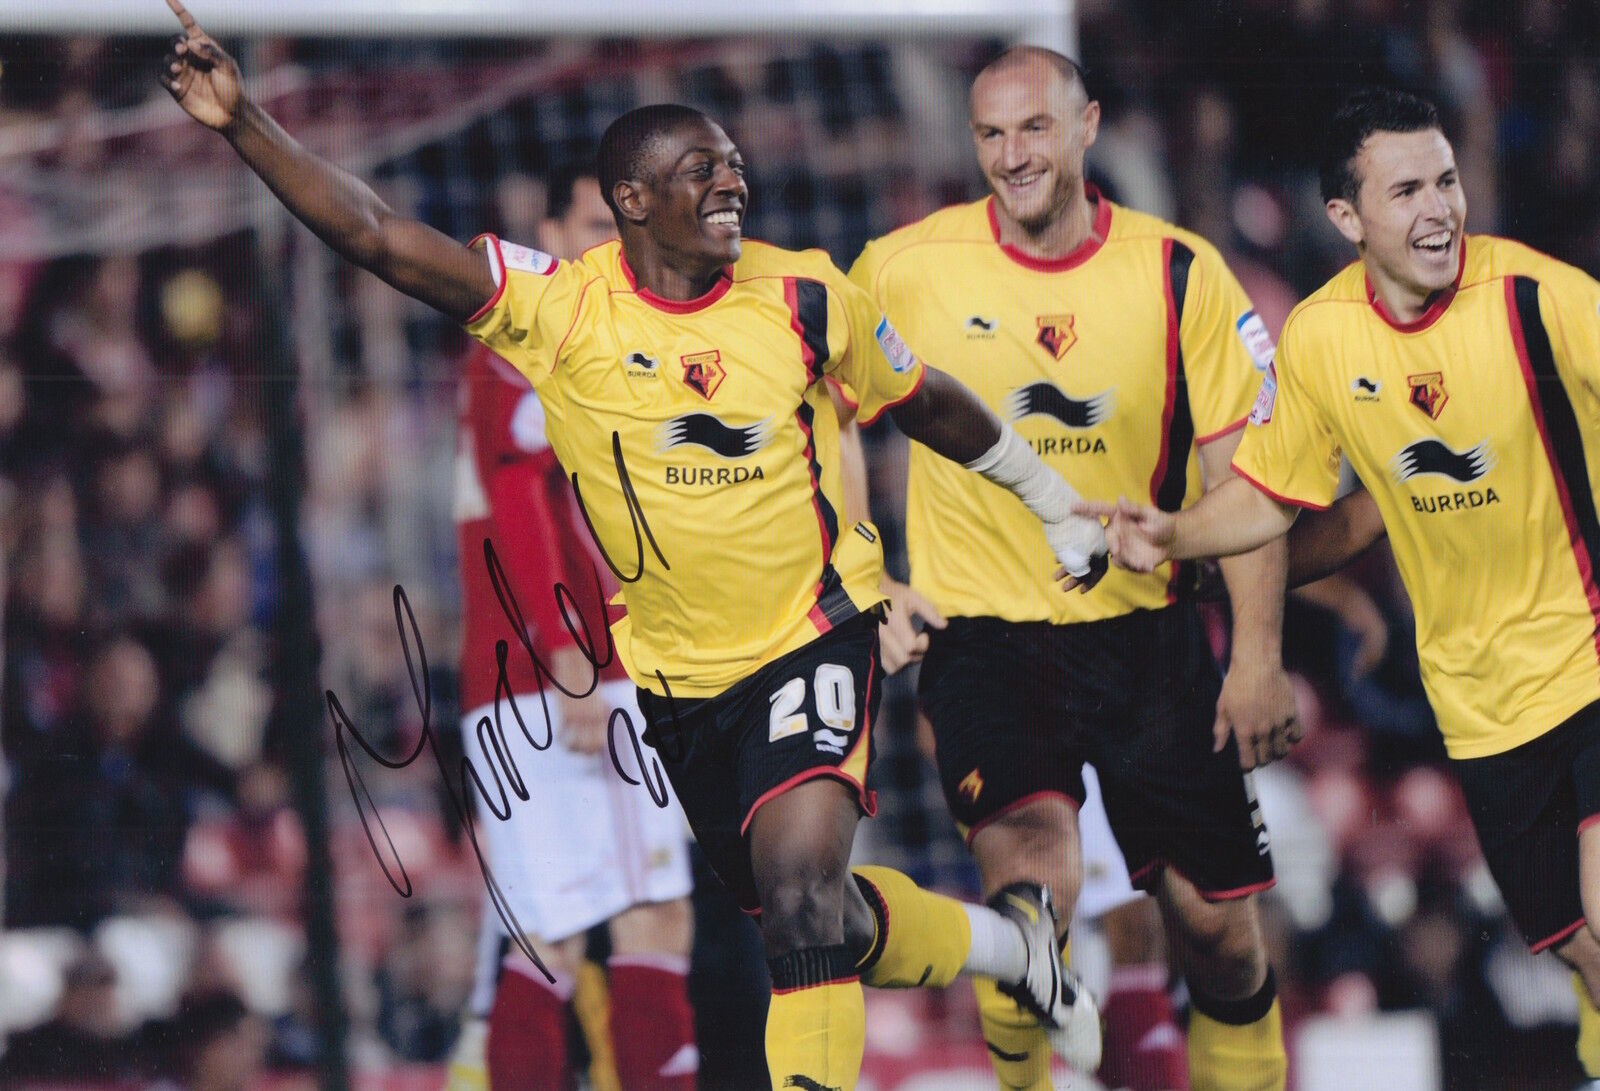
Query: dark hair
{"type": "Point", "coordinates": [563, 183]}
{"type": "Point", "coordinates": [1367, 111]}
{"type": "Point", "coordinates": [1070, 70]}
{"type": "Point", "coordinates": [627, 142]}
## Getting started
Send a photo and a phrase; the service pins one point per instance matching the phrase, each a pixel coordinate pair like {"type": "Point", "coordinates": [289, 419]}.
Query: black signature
{"type": "Point", "coordinates": [491, 733]}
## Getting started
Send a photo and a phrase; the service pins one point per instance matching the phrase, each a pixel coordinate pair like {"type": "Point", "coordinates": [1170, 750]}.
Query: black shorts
{"type": "Point", "coordinates": [1528, 806]}
{"type": "Point", "coordinates": [1017, 708]}
{"type": "Point", "coordinates": [808, 714]}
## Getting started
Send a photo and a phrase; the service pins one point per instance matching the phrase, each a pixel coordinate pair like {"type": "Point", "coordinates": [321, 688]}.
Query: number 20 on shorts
{"type": "Point", "coordinates": [835, 690]}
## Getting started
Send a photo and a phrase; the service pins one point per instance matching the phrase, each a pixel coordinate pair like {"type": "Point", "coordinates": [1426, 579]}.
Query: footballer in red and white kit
{"type": "Point", "coordinates": [586, 844]}
{"type": "Point", "coordinates": [586, 847]}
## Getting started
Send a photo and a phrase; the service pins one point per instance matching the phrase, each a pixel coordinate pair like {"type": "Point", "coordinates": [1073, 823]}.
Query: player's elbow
{"type": "Point", "coordinates": [946, 417]}
{"type": "Point", "coordinates": [375, 237]}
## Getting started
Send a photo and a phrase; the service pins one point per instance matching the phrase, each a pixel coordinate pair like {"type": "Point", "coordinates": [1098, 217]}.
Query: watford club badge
{"type": "Point", "coordinates": [1427, 392]}
{"type": "Point", "coordinates": [703, 373]}
{"type": "Point", "coordinates": [1055, 334]}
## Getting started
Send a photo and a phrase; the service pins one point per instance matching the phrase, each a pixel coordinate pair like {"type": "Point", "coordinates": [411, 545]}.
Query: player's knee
{"type": "Point", "coordinates": [1133, 932]}
{"type": "Point", "coordinates": [1034, 843]}
{"type": "Point", "coordinates": [1226, 956]}
{"type": "Point", "coordinates": [654, 928]}
{"type": "Point", "coordinates": [801, 907]}
{"type": "Point", "coordinates": [1241, 962]}
{"type": "Point", "coordinates": [560, 957]}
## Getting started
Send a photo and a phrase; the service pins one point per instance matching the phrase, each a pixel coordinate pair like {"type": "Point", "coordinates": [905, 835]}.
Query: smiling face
{"type": "Point", "coordinates": [1032, 125]}
{"type": "Point", "coordinates": [693, 196]}
{"type": "Point", "coordinates": [1409, 214]}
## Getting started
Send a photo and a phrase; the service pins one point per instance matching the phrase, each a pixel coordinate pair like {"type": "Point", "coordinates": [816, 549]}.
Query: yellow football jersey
{"type": "Point", "coordinates": [1114, 362]}
{"type": "Point", "coordinates": [1477, 430]}
{"type": "Point", "coordinates": [704, 446]}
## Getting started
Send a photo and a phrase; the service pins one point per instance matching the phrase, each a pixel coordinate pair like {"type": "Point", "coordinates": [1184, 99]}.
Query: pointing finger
{"type": "Point", "coordinates": [182, 13]}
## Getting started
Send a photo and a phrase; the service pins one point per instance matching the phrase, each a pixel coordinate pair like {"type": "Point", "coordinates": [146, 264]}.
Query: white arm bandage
{"type": "Point", "coordinates": [1013, 465]}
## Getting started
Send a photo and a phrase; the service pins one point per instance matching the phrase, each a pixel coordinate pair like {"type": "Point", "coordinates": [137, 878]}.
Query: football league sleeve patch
{"type": "Point", "coordinates": [1288, 451]}
{"type": "Point", "coordinates": [878, 366]}
{"type": "Point", "coordinates": [535, 303]}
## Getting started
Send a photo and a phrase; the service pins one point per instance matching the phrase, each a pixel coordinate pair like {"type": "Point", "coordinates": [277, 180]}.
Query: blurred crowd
{"type": "Point", "coordinates": [154, 866]}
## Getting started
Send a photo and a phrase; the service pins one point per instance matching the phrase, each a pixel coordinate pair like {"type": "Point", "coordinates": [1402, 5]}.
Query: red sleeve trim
{"type": "Point", "coordinates": [497, 269]}
{"type": "Point", "coordinates": [1201, 441]}
{"type": "Point", "coordinates": [866, 422]}
{"type": "Point", "coordinates": [1279, 497]}
{"type": "Point", "coordinates": [839, 389]}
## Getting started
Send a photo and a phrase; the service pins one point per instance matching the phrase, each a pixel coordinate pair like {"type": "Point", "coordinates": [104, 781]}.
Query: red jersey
{"type": "Point", "coordinates": [510, 489]}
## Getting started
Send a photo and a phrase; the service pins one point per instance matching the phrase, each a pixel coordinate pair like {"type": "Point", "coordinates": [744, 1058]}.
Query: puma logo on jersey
{"type": "Point", "coordinates": [705, 430]}
{"type": "Point", "coordinates": [1047, 399]}
{"type": "Point", "coordinates": [1429, 456]}
{"type": "Point", "coordinates": [1364, 389]}
{"type": "Point", "coordinates": [978, 326]}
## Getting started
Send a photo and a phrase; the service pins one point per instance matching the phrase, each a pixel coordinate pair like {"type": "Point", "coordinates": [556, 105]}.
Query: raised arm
{"type": "Point", "coordinates": [340, 208]}
{"type": "Point", "coordinates": [1322, 542]}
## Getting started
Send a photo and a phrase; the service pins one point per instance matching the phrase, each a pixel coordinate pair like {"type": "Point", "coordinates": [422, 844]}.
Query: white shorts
{"type": "Point", "coordinates": [585, 844]}
{"type": "Point", "coordinates": [1105, 876]}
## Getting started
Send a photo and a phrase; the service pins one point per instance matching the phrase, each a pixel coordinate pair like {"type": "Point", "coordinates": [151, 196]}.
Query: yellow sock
{"type": "Point", "coordinates": [1018, 1048]}
{"type": "Point", "coordinates": [817, 1024]}
{"type": "Point", "coordinates": [1238, 1045]}
{"type": "Point", "coordinates": [591, 1003]}
{"type": "Point", "coordinates": [1588, 1030]}
{"type": "Point", "coordinates": [922, 938]}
